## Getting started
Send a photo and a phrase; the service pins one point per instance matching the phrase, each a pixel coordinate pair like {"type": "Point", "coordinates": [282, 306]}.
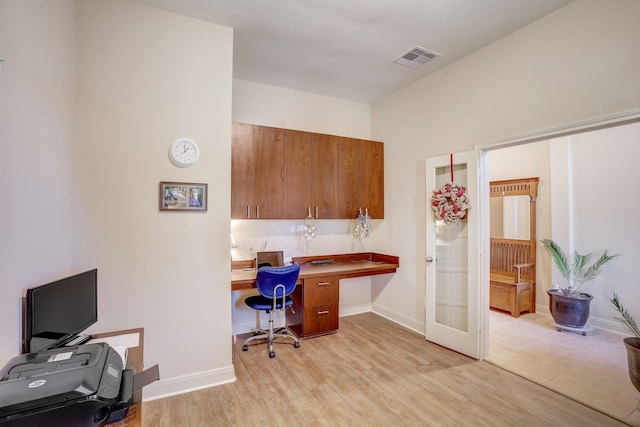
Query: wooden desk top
{"type": "Point", "coordinates": [344, 266]}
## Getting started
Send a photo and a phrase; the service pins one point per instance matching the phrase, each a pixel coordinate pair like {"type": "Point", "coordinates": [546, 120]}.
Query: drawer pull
{"type": "Point", "coordinates": [323, 312]}
{"type": "Point", "coordinates": [324, 283]}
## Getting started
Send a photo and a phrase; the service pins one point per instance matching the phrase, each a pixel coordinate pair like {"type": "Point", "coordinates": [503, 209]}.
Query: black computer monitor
{"type": "Point", "coordinates": [56, 312]}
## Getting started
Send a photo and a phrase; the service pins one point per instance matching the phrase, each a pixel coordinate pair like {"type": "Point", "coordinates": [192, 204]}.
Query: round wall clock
{"type": "Point", "coordinates": [184, 152]}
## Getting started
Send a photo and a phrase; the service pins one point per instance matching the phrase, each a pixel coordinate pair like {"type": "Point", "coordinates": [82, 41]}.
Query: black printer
{"type": "Point", "coordinates": [85, 385]}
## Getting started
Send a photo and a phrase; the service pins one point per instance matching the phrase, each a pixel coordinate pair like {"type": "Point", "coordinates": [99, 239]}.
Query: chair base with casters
{"type": "Point", "coordinates": [275, 284]}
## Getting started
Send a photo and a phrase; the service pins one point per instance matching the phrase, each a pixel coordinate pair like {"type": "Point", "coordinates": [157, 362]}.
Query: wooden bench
{"type": "Point", "coordinates": [511, 281]}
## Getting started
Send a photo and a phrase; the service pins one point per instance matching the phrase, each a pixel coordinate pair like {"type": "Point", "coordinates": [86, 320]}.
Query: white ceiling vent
{"type": "Point", "coordinates": [416, 57]}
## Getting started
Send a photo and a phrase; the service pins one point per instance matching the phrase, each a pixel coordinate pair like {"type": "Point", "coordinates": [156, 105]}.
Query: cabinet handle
{"type": "Point", "coordinates": [248, 211]}
{"type": "Point", "coordinates": [323, 283]}
{"type": "Point", "coordinates": [257, 211]}
{"type": "Point", "coordinates": [316, 212]}
{"type": "Point", "coordinates": [323, 312]}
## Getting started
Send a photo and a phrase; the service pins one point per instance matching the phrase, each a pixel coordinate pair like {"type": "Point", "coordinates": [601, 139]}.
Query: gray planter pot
{"type": "Point", "coordinates": [633, 358]}
{"type": "Point", "coordinates": [571, 311]}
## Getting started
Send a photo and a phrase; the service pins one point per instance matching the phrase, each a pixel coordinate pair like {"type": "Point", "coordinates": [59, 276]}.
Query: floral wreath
{"type": "Point", "coordinates": [450, 203]}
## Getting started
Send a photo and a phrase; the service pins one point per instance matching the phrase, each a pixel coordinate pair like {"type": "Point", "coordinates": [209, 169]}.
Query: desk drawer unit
{"type": "Point", "coordinates": [316, 306]}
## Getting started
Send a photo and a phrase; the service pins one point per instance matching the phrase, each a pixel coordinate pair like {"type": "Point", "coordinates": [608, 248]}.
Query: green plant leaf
{"type": "Point", "coordinates": [578, 272]}
{"type": "Point", "coordinates": [626, 318]}
{"type": "Point", "coordinates": [559, 258]}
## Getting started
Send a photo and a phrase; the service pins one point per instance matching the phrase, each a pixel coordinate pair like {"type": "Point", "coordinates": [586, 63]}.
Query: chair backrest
{"type": "Point", "coordinates": [269, 277]}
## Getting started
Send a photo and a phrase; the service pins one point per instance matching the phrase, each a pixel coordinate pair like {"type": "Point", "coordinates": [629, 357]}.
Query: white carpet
{"type": "Point", "coordinates": [591, 369]}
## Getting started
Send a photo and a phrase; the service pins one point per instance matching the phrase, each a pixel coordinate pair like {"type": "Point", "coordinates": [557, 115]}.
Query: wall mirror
{"type": "Point", "coordinates": [510, 217]}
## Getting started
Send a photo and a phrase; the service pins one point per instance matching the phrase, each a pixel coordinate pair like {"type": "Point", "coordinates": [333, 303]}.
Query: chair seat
{"type": "Point", "coordinates": [258, 302]}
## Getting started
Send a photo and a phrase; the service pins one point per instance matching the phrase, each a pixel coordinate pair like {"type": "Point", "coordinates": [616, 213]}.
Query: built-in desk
{"type": "Point", "coordinates": [343, 266]}
{"type": "Point", "coordinates": [316, 298]}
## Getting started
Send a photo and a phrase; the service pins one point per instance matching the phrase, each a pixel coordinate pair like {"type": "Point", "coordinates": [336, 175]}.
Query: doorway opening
{"type": "Point", "coordinates": [594, 156]}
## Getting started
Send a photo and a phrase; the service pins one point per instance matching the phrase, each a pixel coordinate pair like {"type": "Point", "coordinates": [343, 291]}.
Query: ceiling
{"type": "Point", "coordinates": [346, 48]}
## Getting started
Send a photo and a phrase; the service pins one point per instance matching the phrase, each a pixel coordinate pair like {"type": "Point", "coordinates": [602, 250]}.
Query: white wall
{"type": "Point", "coordinates": [94, 92]}
{"type": "Point", "coordinates": [542, 76]}
{"type": "Point", "coordinates": [36, 132]}
{"type": "Point", "coordinates": [144, 78]}
{"type": "Point", "coordinates": [286, 108]}
{"type": "Point", "coordinates": [595, 188]}
{"type": "Point", "coordinates": [280, 107]}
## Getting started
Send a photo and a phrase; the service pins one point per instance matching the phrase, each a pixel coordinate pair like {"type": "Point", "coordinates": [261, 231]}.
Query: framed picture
{"type": "Point", "coordinates": [183, 196]}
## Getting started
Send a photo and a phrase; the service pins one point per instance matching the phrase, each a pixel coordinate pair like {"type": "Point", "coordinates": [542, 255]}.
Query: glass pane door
{"type": "Point", "coordinates": [452, 285]}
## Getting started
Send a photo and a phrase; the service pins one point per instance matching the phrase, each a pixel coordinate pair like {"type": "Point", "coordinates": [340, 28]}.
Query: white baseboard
{"type": "Point", "coordinates": [596, 322]}
{"type": "Point", "coordinates": [186, 383]}
{"type": "Point", "coordinates": [355, 309]}
{"type": "Point", "coordinates": [399, 318]}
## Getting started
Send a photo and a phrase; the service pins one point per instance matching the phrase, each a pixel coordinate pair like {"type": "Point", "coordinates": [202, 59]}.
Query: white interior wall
{"type": "Point", "coordinates": [595, 190]}
{"type": "Point", "coordinates": [36, 132]}
{"type": "Point", "coordinates": [144, 78]}
{"type": "Point", "coordinates": [267, 105]}
{"type": "Point", "coordinates": [540, 77]}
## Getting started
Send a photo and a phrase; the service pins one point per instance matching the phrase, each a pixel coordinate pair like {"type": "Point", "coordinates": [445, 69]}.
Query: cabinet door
{"type": "Point", "coordinates": [268, 183]}
{"type": "Point", "coordinates": [373, 178]}
{"type": "Point", "coordinates": [241, 171]}
{"type": "Point", "coordinates": [349, 177]}
{"type": "Point", "coordinates": [320, 319]}
{"type": "Point", "coordinates": [324, 182]}
{"type": "Point", "coordinates": [323, 290]}
{"type": "Point", "coordinates": [298, 173]}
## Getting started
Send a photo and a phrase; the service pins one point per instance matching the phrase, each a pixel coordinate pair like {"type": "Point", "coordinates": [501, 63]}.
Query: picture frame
{"type": "Point", "coordinates": [183, 196]}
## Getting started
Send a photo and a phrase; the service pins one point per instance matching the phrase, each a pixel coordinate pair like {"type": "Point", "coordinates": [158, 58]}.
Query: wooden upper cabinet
{"type": "Point", "coordinates": [281, 174]}
{"type": "Point", "coordinates": [361, 177]}
{"type": "Point", "coordinates": [257, 185]}
{"type": "Point", "coordinates": [241, 171]}
{"type": "Point", "coordinates": [324, 181]}
{"type": "Point", "coordinates": [373, 177]}
{"type": "Point", "coordinates": [350, 177]}
{"type": "Point", "coordinates": [310, 175]}
{"type": "Point", "coordinates": [298, 173]}
{"type": "Point", "coordinates": [268, 182]}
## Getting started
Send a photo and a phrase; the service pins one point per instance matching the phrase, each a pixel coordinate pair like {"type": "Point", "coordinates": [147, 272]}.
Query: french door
{"type": "Point", "coordinates": [453, 259]}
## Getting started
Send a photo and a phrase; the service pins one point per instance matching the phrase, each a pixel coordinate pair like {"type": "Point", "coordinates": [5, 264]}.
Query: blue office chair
{"type": "Point", "coordinates": [275, 285]}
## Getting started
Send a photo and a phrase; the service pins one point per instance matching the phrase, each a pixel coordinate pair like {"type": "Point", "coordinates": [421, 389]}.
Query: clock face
{"type": "Point", "coordinates": [184, 152]}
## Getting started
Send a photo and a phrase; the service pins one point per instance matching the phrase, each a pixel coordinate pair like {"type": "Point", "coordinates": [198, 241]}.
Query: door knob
{"type": "Point", "coordinates": [429, 259]}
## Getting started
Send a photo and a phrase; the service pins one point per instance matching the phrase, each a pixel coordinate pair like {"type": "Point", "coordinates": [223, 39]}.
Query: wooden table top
{"type": "Point", "coordinates": [344, 266]}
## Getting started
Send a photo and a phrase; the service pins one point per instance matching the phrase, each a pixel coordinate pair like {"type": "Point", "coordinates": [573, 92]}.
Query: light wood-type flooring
{"type": "Point", "coordinates": [373, 372]}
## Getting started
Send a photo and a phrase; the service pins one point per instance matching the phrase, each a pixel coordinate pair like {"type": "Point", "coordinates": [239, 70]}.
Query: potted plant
{"type": "Point", "coordinates": [568, 305]}
{"type": "Point", "coordinates": [632, 344]}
